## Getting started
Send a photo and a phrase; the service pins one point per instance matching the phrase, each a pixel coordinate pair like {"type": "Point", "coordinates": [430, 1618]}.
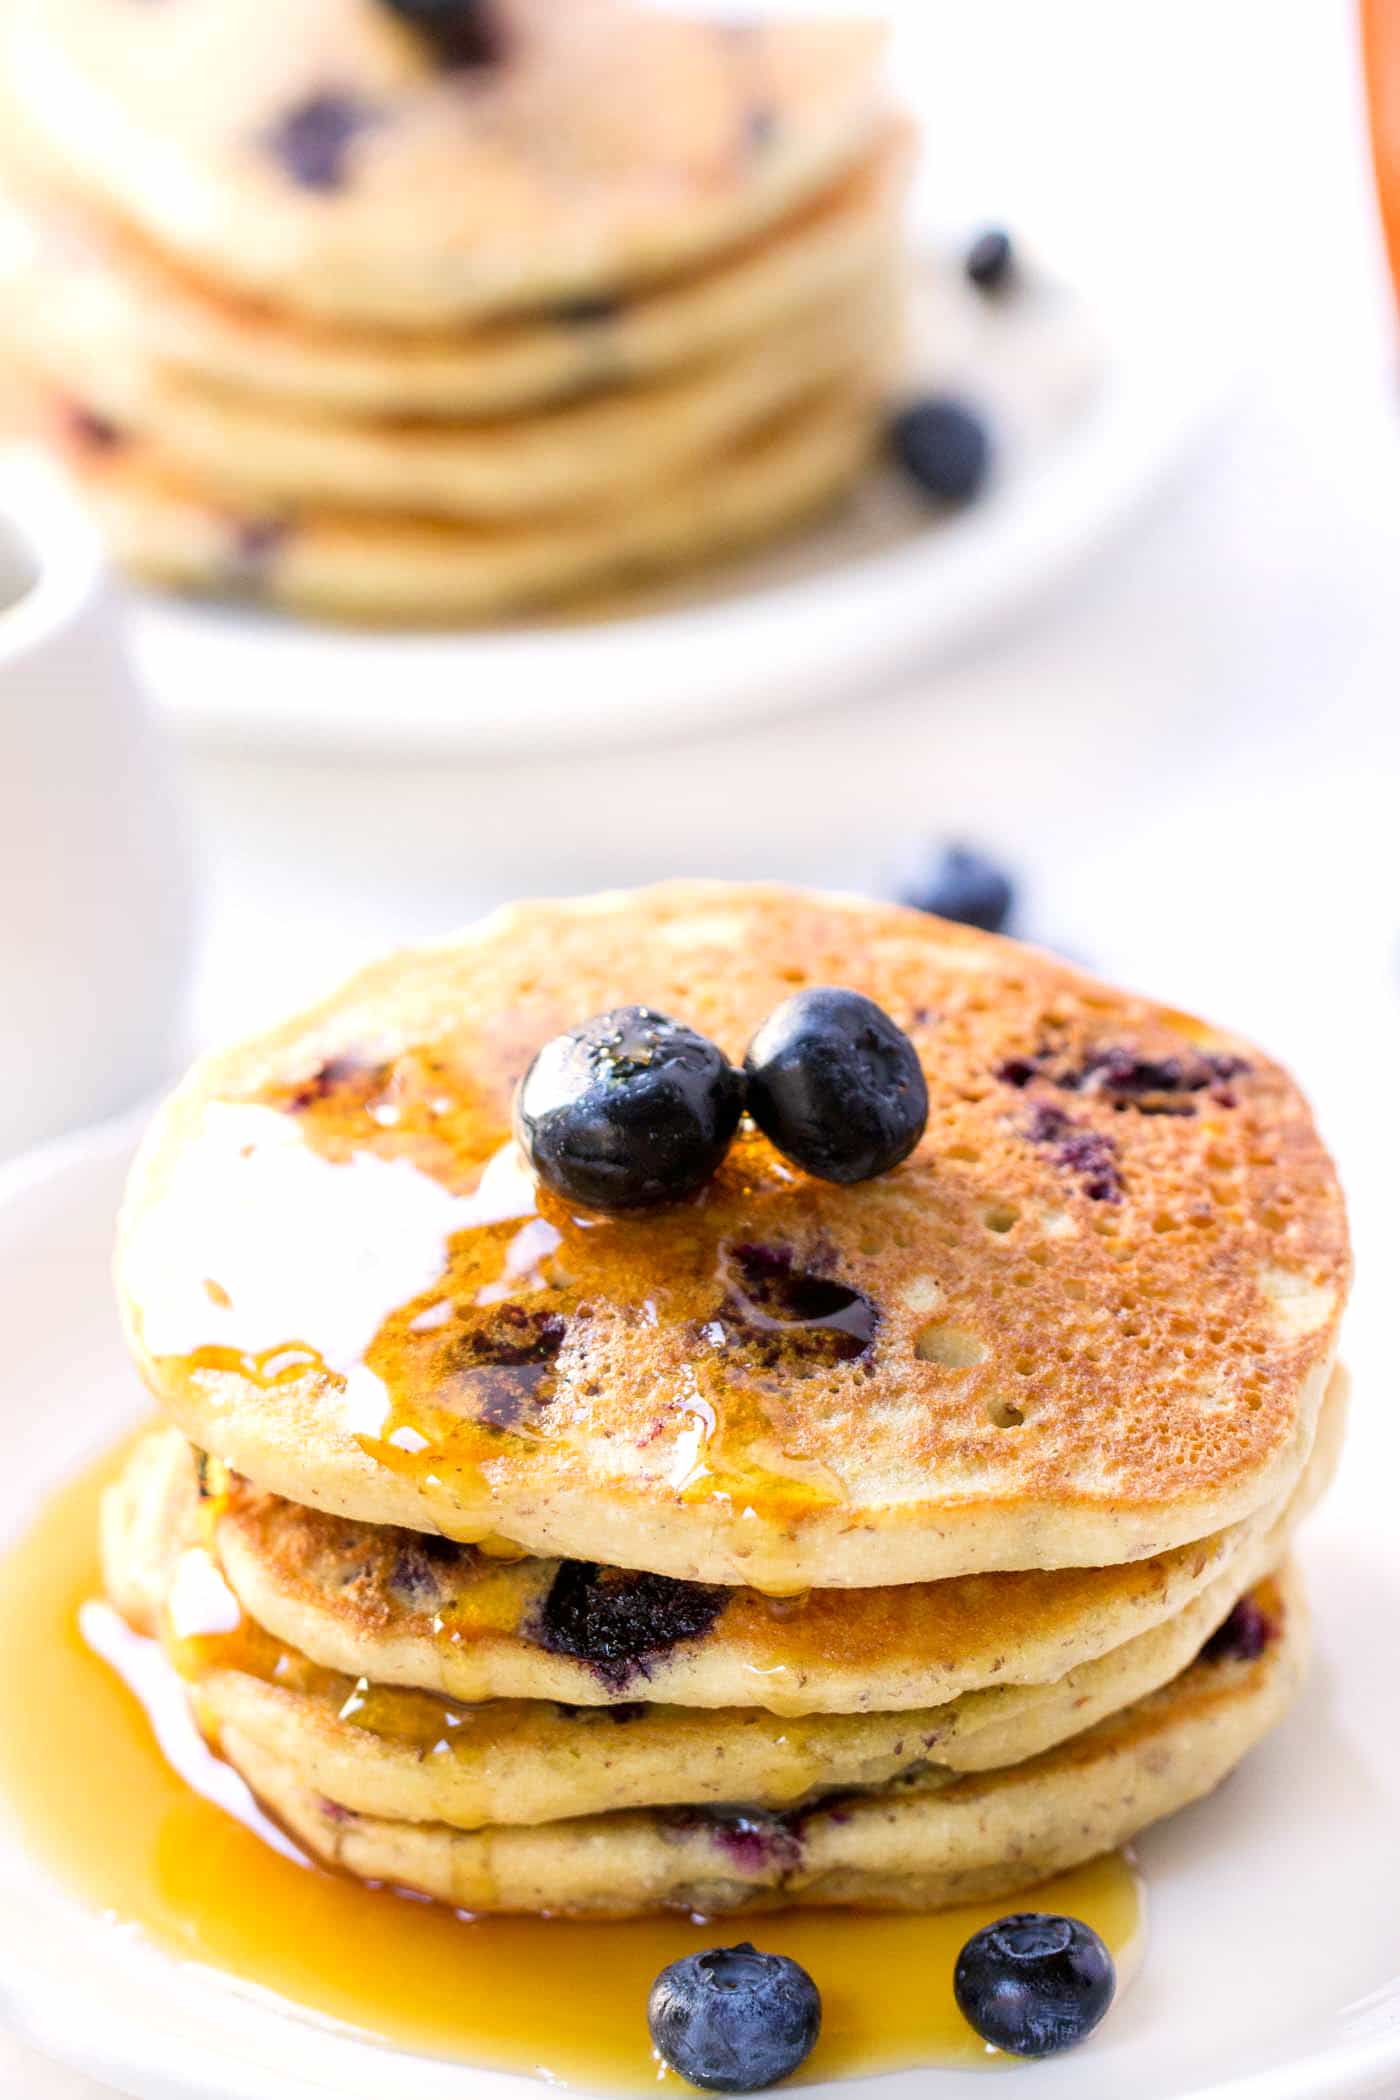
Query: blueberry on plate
{"type": "Point", "coordinates": [962, 884]}
{"type": "Point", "coordinates": [462, 32]}
{"type": "Point", "coordinates": [836, 1086]}
{"type": "Point", "coordinates": [734, 2020]}
{"type": "Point", "coordinates": [943, 446]}
{"type": "Point", "coordinates": [990, 263]}
{"type": "Point", "coordinates": [627, 1110]}
{"type": "Point", "coordinates": [1034, 1983]}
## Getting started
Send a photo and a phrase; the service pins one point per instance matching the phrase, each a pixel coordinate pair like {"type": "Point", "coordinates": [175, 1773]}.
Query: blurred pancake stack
{"type": "Point", "coordinates": [898, 1543]}
{"type": "Point", "coordinates": [397, 311]}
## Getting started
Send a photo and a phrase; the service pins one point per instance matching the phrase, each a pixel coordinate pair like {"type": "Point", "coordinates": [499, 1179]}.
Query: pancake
{"type": "Point", "coordinates": [380, 568]}
{"type": "Point", "coordinates": [1090, 1319]}
{"type": "Point", "coordinates": [87, 282]}
{"type": "Point", "coordinates": [917, 1845]}
{"type": "Point", "coordinates": [419, 1612]}
{"type": "Point", "coordinates": [602, 453]}
{"type": "Point", "coordinates": [344, 173]}
{"type": "Point", "coordinates": [413, 1756]}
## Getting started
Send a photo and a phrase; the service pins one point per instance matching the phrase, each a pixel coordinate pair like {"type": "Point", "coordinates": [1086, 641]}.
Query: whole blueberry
{"type": "Point", "coordinates": [836, 1086]}
{"type": "Point", "coordinates": [734, 2020]}
{"type": "Point", "coordinates": [462, 32]}
{"type": "Point", "coordinates": [962, 884]}
{"type": "Point", "coordinates": [943, 446]}
{"type": "Point", "coordinates": [627, 1110]}
{"type": "Point", "coordinates": [1034, 1983]}
{"type": "Point", "coordinates": [990, 263]}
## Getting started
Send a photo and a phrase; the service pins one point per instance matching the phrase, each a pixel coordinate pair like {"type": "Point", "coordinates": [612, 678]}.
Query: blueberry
{"type": "Point", "coordinates": [836, 1086]}
{"type": "Point", "coordinates": [312, 142]}
{"type": "Point", "coordinates": [255, 544]}
{"type": "Point", "coordinates": [943, 447]}
{"type": "Point", "coordinates": [628, 1109]}
{"type": "Point", "coordinates": [1243, 1636]}
{"type": "Point", "coordinates": [734, 2020]}
{"type": "Point", "coordinates": [962, 884]}
{"type": "Point", "coordinates": [990, 262]}
{"type": "Point", "coordinates": [462, 32]}
{"type": "Point", "coordinates": [1034, 1983]}
{"type": "Point", "coordinates": [618, 1619]}
{"type": "Point", "coordinates": [89, 431]}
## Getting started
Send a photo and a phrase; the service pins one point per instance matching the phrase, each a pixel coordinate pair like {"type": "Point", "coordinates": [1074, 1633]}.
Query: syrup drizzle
{"type": "Point", "coordinates": [120, 1795]}
{"type": "Point", "coordinates": [434, 1306]}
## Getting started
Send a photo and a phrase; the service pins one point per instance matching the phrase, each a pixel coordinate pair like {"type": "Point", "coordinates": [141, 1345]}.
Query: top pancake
{"type": "Point", "coordinates": [1090, 1318]}
{"type": "Point", "coordinates": [346, 172]}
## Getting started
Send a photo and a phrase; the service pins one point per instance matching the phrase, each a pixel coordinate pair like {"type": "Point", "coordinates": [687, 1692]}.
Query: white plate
{"type": "Point", "coordinates": [1273, 1960]}
{"type": "Point", "coordinates": [1092, 390]}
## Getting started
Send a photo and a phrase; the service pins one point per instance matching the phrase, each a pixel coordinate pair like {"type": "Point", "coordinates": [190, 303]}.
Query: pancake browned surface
{"type": "Point", "coordinates": [416, 1756]}
{"type": "Point", "coordinates": [1089, 1320]}
{"type": "Point", "coordinates": [344, 172]}
{"type": "Point", "coordinates": [915, 1845]}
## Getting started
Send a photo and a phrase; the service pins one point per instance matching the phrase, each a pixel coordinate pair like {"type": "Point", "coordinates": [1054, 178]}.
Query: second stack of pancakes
{"type": "Point", "coordinates": [381, 324]}
{"type": "Point", "coordinates": [900, 1545]}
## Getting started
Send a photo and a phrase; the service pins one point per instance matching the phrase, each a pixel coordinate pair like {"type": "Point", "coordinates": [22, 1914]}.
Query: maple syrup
{"type": "Point", "coordinates": [371, 1250]}
{"type": "Point", "coordinates": [168, 1841]}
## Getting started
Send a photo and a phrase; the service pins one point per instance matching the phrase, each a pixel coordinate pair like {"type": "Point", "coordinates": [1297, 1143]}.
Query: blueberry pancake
{"type": "Point", "coordinates": [916, 1844]}
{"type": "Point", "coordinates": [377, 568]}
{"type": "Point", "coordinates": [719, 1398]}
{"type": "Point", "coordinates": [1089, 1319]}
{"type": "Point", "coordinates": [67, 277]}
{"type": "Point", "coordinates": [597, 458]}
{"type": "Point", "coordinates": [361, 1600]}
{"type": "Point", "coordinates": [443, 317]}
{"type": "Point", "coordinates": [361, 173]}
{"type": "Point", "coordinates": [414, 1756]}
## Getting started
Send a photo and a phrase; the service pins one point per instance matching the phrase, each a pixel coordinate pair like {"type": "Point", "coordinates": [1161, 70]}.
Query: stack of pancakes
{"type": "Point", "coordinates": [898, 1544]}
{"type": "Point", "coordinates": [391, 327]}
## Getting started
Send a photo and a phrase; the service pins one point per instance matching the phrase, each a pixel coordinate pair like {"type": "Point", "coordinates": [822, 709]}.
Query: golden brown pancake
{"type": "Point", "coordinates": [402, 1609]}
{"type": "Point", "coordinates": [415, 1756]}
{"type": "Point", "coordinates": [915, 1845]}
{"type": "Point", "coordinates": [1089, 1320]}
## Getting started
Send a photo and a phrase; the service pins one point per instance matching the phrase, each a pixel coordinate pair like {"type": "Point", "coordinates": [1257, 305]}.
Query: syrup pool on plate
{"type": "Point", "coordinates": [120, 1797]}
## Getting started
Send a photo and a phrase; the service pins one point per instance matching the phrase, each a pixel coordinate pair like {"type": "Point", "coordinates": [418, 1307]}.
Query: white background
{"type": "Point", "coordinates": [1193, 757]}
